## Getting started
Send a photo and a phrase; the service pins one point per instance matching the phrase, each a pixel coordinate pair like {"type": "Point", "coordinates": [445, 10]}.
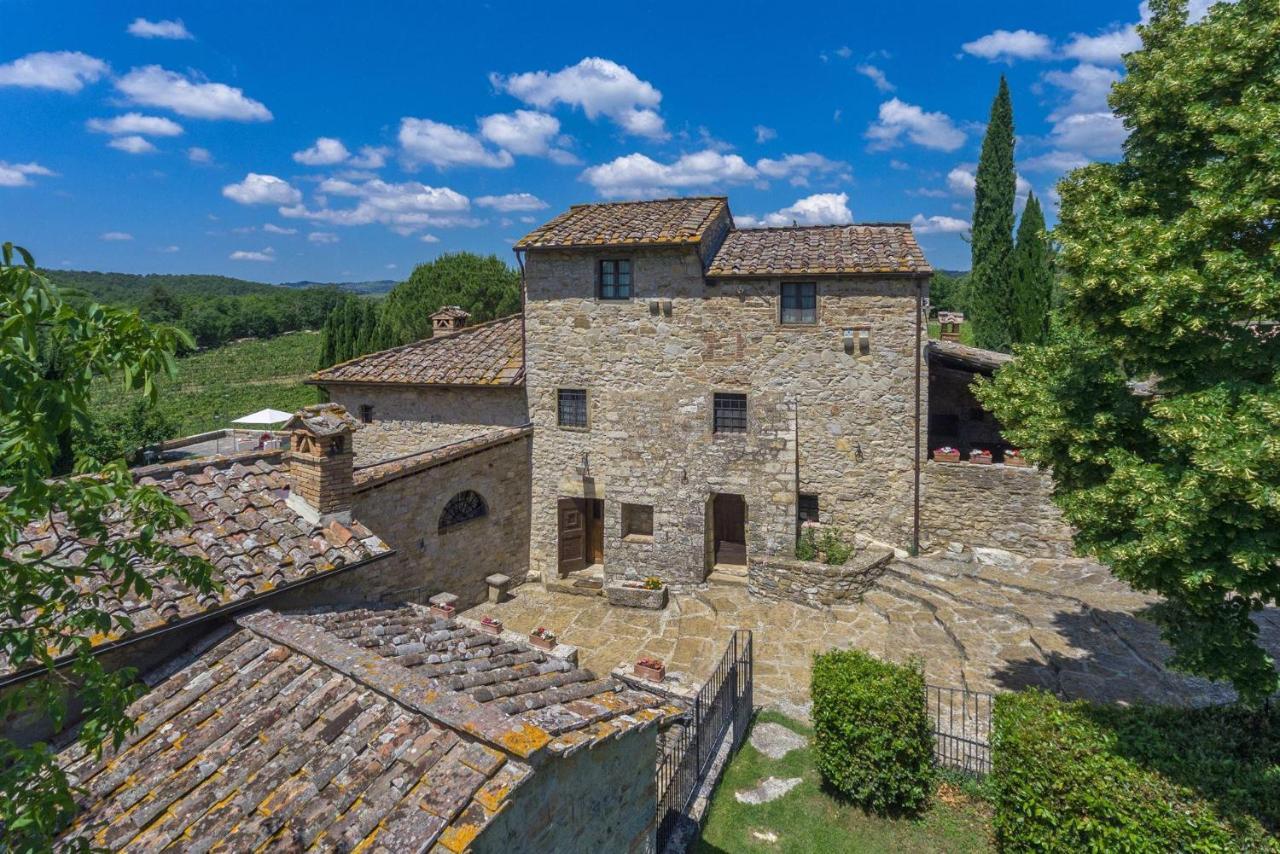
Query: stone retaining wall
{"type": "Point", "coordinates": [995, 506]}
{"type": "Point", "coordinates": [816, 585]}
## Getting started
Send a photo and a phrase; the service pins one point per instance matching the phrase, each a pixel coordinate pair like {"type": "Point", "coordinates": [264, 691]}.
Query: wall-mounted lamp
{"type": "Point", "coordinates": [584, 468]}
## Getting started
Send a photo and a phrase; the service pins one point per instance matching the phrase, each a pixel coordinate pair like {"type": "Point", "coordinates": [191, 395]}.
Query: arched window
{"type": "Point", "coordinates": [463, 507]}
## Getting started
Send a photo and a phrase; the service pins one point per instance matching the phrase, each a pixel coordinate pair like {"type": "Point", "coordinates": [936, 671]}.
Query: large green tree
{"type": "Point", "coordinates": [1032, 277]}
{"type": "Point", "coordinates": [990, 293]}
{"type": "Point", "coordinates": [486, 286]}
{"type": "Point", "coordinates": [46, 612]}
{"type": "Point", "coordinates": [1158, 404]}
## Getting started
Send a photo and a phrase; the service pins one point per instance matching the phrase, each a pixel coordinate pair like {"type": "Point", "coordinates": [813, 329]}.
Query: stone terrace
{"type": "Point", "coordinates": [1065, 625]}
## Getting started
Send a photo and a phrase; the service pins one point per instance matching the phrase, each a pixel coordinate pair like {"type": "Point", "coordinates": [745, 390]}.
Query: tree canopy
{"type": "Point", "coordinates": [1172, 277]}
{"type": "Point", "coordinates": [990, 293]}
{"type": "Point", "coordinates": [1031, 272]}
{"type": "Point", "coordinates": [485, 286]}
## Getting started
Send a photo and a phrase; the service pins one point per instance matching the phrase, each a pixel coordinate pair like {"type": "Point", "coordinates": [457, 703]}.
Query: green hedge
{"type": "Point", "coordinates": [872, 738]}
{"type": "Point", "coordinates": [1080, 777]}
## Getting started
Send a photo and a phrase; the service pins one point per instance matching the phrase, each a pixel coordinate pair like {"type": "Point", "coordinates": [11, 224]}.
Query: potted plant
{"type": "Point", "coordinates": [444, 612]}
{"type": "Point", "coordinates": [491, 626]}
{"type": "Point", "coordinates": [542, 638]}
{"type": "Point", "coordinates": [651, 669]}
{"type": "Point", "coordinates": [980, 456]}
{"type": "Point", "coordinates": [946, 454]}
{"type": "Point", "coordinates": [1013, 457]}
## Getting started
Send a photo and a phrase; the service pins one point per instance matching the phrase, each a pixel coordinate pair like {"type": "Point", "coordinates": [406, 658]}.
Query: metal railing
{"type": "Point", "coordinates": [961, 728]}
{"type": "Point", "coordinates": [723, 704]}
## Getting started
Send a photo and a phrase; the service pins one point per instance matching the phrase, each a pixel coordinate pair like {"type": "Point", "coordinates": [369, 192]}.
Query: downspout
{"type": "Point", "coordinates": [524, 341]}
{"type": "Point", "coordinates": [915, 525]}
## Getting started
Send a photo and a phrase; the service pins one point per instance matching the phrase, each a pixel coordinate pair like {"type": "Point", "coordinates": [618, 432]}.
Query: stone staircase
{"type": "Point", "coordinates": [584, 582]}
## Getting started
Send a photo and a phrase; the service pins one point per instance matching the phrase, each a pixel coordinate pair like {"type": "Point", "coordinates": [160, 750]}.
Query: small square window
{"type": "Point", "coordinates": [807, 508]}
{"type": "Point", "coordinates": [730, 413]}
{"type": "Point", "coordinates": [366, 413]}
{"type": "Point", "coordinates": [615, 280]}
{"type": "Point", "coordinates": [637, 520]}
{"type": "Point", "coordinates": [799, 302]}
{"type": "Point", "coordinates": [571, 407]}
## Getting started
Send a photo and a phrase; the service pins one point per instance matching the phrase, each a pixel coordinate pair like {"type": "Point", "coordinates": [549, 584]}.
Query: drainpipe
{"type": "Point", "coordinates": [524, 345]}
{"type": "Point", "coordinates": [915, 526]}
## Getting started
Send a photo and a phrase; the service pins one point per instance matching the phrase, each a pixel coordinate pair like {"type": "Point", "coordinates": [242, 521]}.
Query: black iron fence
{"type": "Point", "coordinates": [961, 728]}
{"type": "Point", "coordinates": [724, 703]}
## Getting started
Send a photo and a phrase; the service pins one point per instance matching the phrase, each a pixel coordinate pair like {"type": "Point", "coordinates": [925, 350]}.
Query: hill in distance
{"type": "Point", "coordinates": [131, 288]}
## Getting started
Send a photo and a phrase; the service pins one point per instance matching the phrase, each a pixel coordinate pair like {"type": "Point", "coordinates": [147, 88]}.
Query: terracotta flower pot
{"type": "Point", "coordinates": [444, 612]}
{"type": "Point", "coordinates": [1016, 462]}
{"type": "Point", "coordinates": [543, 642]}
{"type": "Point", "coordinates": [650, 672]}
{"type": "Point", "coordinates": [982, 458]}
{"type": "Point", "coordinates": [952, 457]}
{"type": "Point", "coordinates": [493, 628]}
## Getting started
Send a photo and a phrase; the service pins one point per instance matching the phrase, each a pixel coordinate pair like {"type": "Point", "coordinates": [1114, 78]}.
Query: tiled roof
{"type": "Point", "coordinates": [322, 419]}
{"type": "Point", "coordinates": [955, 354]}
{"type": "Point", "coordinates": [477, 438]}
{"type": "Point", "coordinates": [240, 523]}
{"type": "Point", "coordinates": [490, 354]}
{"type": "Point", "coordinates": [820, 250]}
{"type": "Point", "coordinates": [347, 730]}
{"type": "Point", "coordinates": [665, 221]}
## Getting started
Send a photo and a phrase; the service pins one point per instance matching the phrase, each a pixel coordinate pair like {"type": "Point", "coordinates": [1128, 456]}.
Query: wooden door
{"type": "Point", "coordinates": [729, 524]}
{"type": "Point", "coordinates": [595, 531]}
{"type": "Point", "coordinates": [573, 534]}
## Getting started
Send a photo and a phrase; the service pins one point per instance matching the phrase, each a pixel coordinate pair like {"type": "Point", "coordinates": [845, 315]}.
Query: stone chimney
{"type": "Point", "coordinates": [321, 460]}
{"type": "Point", "coordinates": [448, 320]}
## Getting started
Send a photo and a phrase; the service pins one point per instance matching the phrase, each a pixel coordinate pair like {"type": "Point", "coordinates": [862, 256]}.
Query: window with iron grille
{"type": "Point", "coordinates": [730, 413]}
{"type": "Point", "coordinates": [615, 280]}
{"type": "Point", "coordinates": [463, 507]}
{"type": "Point", "coordinates": [571, 407]}
{"type": "Point", "coordinates": [366, 413]}
{"type": "Point", "coordinates": [637, 520]}
{"type": "Point", "coordinates": [799, 302]}
{"type": "Point", "coordinates": [807, 508]}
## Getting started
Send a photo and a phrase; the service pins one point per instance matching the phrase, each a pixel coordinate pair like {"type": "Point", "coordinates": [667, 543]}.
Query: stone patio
{"type": "Point", "coordinates": [1066, 625]}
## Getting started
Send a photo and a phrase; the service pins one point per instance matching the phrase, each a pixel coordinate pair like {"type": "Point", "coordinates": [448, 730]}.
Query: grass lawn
{"type": "Point", "coordinates": [226, 382]}
{"type": "Point", "coordinates": [808, 819]}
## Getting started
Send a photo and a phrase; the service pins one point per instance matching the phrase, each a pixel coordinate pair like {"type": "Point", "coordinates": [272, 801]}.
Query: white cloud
{"type": "Point", "coordinates": [799, 167]}
{"type": "Point", "coordinates": [63, 71]}
{"type": "Point", "coordinates": [930, 130]}
{"type": "Point", "coordinates": [527, 132]}
{"type": "Point", "coordinates": [272, 228]}
{"type": "Point", "coordinates": [258, 189]}
{"type": "Point", "coordinates": [429, 238]}
{"type": "Point", "coordinates": [322, 237]}
{"type": "Point", "coordinates": [1097, 134]}
{"type": "Point", "coordinates": [844, 52]}
{"type": "Point", "coordinates": [1088, 85]}
{"type": "Point", "coordinates": [636, 175]}
{"type": "Point", "coordinates": [512, 202]}
{"type": "Point", "coordinates": [405, 207]}
{"type": "Point", "coordinates": [168, 250]}
{"type": "Point", "coordinates": [819, 209]}
{"type": "Point", "coordinates": [115, 235]}
{"type": "Point", "coordinates": [371, 157]}
{"type": "Point", "coordinates": [326, 152]}
{"type": "Point", "coordinates": [764, 134]}
{"type": "Point", "coordinates": [1006, 46]}
{"type": "Point", "coordinates": [876, 76]}
{"type": "Point", "coordinates": [425, 141]}
{"type": "Point", "coordinates": [922, 224]}
{"type": "Point", "coordinates": [1105, 48]}
{"type": "Point", "coordinates": [144, 29]}
{"type": "Point", "coordinates": [154, 86]}
{"type": "Point", "coordinates": [1055, 161]}
{"type": "Point", "coordinates": [267, 254]}
{"type": "Point", "coordinates": [962, 182]}
{"type": "Point", "coordinates": [132, 144]}
{"type": "Point", "coordinates": [135, 123]}
{"type": "Point", "coordinates": [19, 174]}
{"type": "Point", "coordinates": [196, 154]}
{"type": "Point", "coordinates": [599, 87]}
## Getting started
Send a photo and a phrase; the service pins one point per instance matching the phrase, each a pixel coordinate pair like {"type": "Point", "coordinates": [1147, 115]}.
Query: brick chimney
{"type": "Point", "coordinates": [448, 320]}
{"type": "Point", "coordinates": [320, 462]}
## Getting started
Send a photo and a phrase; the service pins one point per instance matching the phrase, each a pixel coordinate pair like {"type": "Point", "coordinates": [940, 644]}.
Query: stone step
{"type": "Point", "coordinates": [721, 576]}
{"type": "Point", "coordinates": [577, 586]}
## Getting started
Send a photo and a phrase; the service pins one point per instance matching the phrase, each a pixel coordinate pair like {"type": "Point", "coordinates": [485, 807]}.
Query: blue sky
{"type": "Point", "coordinates": [284, 141]}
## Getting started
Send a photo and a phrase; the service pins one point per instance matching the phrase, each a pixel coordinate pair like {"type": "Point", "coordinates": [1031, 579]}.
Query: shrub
{"type": "Point", "coordinates": [1079, 777]}
{"type": "Point", "coordinates": [829, 547]}
{"type": "Point", "coordinates": [872, 739]}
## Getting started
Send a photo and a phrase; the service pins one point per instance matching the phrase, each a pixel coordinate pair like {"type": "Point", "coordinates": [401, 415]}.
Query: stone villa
{"type": "Point", "coordinates": [678, 398]}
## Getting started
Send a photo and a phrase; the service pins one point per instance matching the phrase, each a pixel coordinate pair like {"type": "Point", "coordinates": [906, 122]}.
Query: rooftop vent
{"type": "Point", "coordinates": [448, 320]}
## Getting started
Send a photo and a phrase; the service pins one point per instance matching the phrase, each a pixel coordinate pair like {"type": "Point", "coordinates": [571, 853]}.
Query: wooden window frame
{"type": "Point", "coordinates": [782, 308]}
{"type": "Point", "coordinates": [586, 409]}
{"type": "Point", "coordinates": [734, 430]}
{"type": "Point", "coordinates": [600, 277]}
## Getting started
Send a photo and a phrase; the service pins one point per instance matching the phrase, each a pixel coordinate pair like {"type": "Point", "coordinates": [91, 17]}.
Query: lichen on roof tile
{"type": "Point", "coordinates": [661, 221]}
{"type": "Point", "coordinates": [868, 249]}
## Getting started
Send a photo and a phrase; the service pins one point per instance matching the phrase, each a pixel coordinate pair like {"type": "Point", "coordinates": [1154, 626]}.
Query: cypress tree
{"type": "Point", "coordinates": [327, 337]}
{"type": "Point", "coordinates": [350, 329]}
{"type": "Point", "coordinates": [1032, 277]}
{"type": "Point", "coordinates": [990, 285]}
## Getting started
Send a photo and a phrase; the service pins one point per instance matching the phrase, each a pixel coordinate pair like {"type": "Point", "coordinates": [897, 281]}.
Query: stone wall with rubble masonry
{"type": "Point", "coordinates": [817, 585]}
{"type": "Point", "coordinates": [501, 406]}
{"type": "Point", "coordinates": [994, 506]}
{"type": "Point", "coordinates": [650, 375]}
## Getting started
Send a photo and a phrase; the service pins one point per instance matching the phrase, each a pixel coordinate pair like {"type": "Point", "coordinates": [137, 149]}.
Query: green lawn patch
{"type": "Point", "coordinates": [810, 819]}
{"type": "Point", "coordinates": [226, 382]}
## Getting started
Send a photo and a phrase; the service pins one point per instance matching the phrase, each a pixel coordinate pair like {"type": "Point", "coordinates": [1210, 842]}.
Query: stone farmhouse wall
{"type": "Point", "coordinates": [650, 372]}
{"type": "Point", "coordinates": [601, 798]}
{"type": "Point", "coordinates": [502, 406]}
{"type": "Point", "coordinates": [994, 506]}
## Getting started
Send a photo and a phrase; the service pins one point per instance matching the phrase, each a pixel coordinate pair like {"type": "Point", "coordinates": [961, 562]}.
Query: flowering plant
{"type": "Point", "coordinates": [651, 663]}
{"type": "Point", "coordinates": [945, 449]}
{"type": "Point", "coordinates": [1013, 452]}
{"type": "Point", "coordinates": [490, 621]}
{"type": "Point", "coordinates": [542, 632]}
{"type": "Point", "coordinates": [653, 582]}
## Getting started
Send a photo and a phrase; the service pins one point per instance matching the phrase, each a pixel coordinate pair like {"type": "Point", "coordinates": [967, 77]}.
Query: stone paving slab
{"type": "Point", "coordinates": [1066, 625]}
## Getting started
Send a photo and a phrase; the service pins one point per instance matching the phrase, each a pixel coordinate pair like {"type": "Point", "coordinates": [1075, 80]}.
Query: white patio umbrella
{"type": "Point", "coordinates": [264, 416]}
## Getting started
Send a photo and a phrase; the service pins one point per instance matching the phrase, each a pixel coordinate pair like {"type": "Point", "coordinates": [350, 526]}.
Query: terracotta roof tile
{"type": "Point", "coordinates": [664, 221]}
{"type": "Point", "coordinates": [490, 354]}
{"type": "Point", "coordinates": [861, 250]}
